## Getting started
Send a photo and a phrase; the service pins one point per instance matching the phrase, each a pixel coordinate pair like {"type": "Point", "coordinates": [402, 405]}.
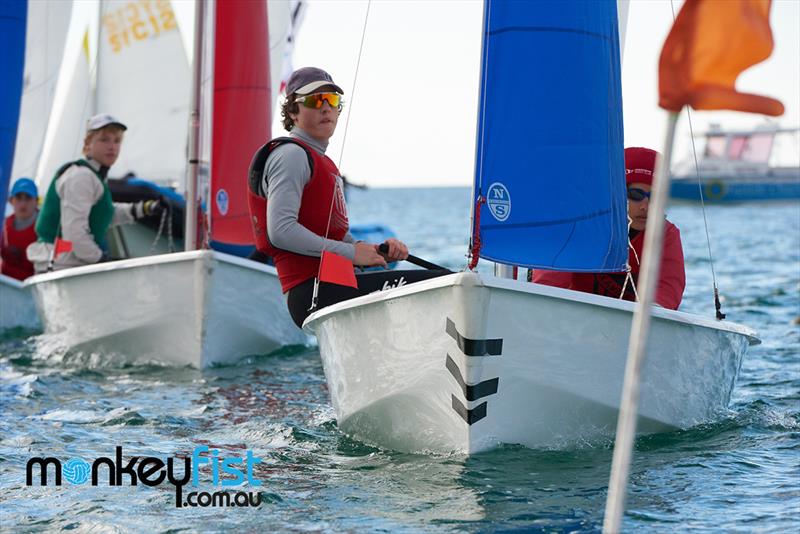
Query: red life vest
{"type": "Point", "coordinates": [671, 280]}
{"type": "Point", "coordinates": [15, 262]}
{"type": "Point", "coordinates": [293, 268]}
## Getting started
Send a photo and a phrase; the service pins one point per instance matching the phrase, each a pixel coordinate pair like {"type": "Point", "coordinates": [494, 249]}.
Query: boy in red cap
{"type": "Point", "coordinates": [639, 168]}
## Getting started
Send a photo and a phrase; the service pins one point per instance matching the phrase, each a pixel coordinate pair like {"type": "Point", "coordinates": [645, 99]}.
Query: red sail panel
{"type": "Point", "coordinates": [241, 113]}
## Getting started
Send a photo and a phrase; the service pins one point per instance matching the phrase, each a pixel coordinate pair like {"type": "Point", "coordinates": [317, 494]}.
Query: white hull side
{"type": "Point", "coordinates": [190, 308]}
{"type": "Point", "coordinates": [16, 305]}
{"type": "Point", "coordinates": [555, 381]}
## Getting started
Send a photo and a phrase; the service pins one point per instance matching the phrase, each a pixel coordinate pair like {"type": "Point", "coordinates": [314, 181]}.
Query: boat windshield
{"type": "Point", "coordinates": [749, 148]}
{"type": "Point", "coordinates": [753, 148]}
{"type": "Point", "coordinates": [715, 146]}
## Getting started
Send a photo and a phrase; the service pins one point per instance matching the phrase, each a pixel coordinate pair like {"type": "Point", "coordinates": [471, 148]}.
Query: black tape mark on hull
{"type": "Point", "coordinates": [474, 347]}
{"type": "Point", "coordinates": [474, 391]}
{"type": "Point", "coordinates": [470, 416]}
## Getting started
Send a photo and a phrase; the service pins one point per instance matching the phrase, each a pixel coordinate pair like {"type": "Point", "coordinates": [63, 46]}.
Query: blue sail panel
{"type": "Point", "coordinates": [549, 159]}
{"type": "Point", "coordinates": [13, 16]}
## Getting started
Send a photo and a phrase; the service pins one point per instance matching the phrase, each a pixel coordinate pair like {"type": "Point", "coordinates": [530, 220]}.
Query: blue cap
{"type": "Point", "coordinates": [24, 185]}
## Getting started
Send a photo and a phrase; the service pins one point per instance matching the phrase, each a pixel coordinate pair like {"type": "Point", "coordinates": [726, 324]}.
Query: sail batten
{"type": "Point", "coordinates": [544, 29]}
{"type": "Point", "coordinates": [550, 165]}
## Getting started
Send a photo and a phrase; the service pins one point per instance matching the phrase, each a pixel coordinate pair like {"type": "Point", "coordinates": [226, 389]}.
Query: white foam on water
{"type": "Point", "coordinates": [72, 416]}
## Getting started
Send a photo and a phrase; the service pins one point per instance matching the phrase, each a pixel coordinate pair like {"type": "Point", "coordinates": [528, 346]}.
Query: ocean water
{"type": "Point", "coordinates": [739, 474]}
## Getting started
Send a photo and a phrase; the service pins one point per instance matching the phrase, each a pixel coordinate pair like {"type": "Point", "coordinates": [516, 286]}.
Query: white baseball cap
{"type": "Point", "coordinates": [101, 120]}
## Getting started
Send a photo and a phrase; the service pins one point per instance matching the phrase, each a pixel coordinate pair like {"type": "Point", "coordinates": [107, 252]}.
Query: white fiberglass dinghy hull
{"type": "Point", "coordinates": [17, 309]}
{"type": "Point", "coordinates": [196, 308]}
{"type": "Point", "coordinates": [466, 362]}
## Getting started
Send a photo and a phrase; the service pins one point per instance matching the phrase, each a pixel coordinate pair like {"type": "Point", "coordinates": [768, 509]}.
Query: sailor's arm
{"type": "Point", "coordinates": [672, 278]}
{"type": "Point", "coordinates": [122, 213]}
{"type": "Point", "coordinates": [288, 173]}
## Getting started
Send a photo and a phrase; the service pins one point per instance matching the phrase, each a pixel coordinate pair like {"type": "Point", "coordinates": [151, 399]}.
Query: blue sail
{"type": "Point", "coordinates": [550, 161]}
{"type": "Point", "coordinates": [13, 15]}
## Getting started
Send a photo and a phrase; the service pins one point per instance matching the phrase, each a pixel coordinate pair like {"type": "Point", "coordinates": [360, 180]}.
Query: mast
{"type": "Point", "coordinates": [478, 136]}
{"type": "Point", "coordinates": [190, 223]}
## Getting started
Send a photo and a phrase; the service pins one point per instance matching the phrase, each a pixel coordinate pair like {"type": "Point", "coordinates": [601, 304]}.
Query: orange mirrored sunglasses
{"type": "Point", "coordinates": [314, 101]}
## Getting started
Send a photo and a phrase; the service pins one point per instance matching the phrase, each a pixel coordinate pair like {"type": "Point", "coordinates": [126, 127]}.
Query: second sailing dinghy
{"type": "Point", "coordinates": [199, 307]}
{"type": "Point", "coordinates": [468, 361]}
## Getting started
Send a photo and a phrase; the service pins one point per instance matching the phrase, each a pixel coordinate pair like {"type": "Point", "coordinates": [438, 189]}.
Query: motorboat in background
{"type": "Point", "coordinates": [740, 166]}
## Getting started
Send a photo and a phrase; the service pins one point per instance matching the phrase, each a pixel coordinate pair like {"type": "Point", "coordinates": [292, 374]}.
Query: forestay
{"type": "Point", "coordinates": [549, 158]}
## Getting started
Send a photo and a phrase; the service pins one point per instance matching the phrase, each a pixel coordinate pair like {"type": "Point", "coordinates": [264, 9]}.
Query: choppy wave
{"type": "Point", "coordinates": [737, 473]}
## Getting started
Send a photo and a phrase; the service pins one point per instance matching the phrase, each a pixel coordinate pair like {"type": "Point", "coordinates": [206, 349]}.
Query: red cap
{"type": "Point", "coordinates": [640, 165]}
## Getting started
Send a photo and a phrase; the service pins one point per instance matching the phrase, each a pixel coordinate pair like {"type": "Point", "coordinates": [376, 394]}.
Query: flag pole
{"type": "Point", "coordinates": [629, 405]}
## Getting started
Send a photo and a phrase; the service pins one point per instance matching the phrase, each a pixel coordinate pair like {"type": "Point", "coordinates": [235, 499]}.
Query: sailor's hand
{"type": "Point", "coordinates": [367, 255]}
{"type": "Point", "coordinates": [148, 208]}
{"type": "Point", "coordinates": [397, 250]}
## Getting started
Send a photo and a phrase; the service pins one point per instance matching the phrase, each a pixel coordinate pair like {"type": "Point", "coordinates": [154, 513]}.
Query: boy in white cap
{"type": "Point", "coordinates": [78, 209]}
{"type": "Point", "coordinates": [19, 229]}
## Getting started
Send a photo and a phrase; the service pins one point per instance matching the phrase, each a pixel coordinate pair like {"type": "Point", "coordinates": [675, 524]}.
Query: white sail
{"type": "Point", "coordinates": [46, 33]}
{"type": "Point", "coordinates": [285, 19]}
{"type": "Point", "coordinates": [143, 79]}
{"type": "Point", "coordinates": [280, 31]}
{"type": "Point", "coordinates": [65, 134]}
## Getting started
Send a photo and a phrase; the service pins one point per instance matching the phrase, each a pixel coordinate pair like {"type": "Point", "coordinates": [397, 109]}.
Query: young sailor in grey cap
{"type": "Point", "coordinates": [78, 208]}
{"type": "Point", "coordinates": [306, 213]}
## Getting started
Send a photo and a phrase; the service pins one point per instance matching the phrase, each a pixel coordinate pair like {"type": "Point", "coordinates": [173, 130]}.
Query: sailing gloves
{"type": "Point", "coordinates": [148, 208]}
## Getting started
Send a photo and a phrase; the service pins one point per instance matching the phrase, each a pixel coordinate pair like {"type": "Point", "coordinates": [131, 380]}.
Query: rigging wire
{"type": "Point", "coordinates": [315, 293]}
{"type": "Point", "coordinates": [717, 305]}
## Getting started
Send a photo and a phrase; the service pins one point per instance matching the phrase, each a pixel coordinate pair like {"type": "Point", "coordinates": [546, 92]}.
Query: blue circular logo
{"type": "Point", "coordinates": [498, 200]}
{"type": "Point", "coordinates": [76, 471]}
{"type": "Point", "coordinates": [222, 201]}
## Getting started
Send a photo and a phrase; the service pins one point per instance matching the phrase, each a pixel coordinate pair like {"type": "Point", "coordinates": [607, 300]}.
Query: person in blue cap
{"type": "Point", "coordinates": [19, 229]}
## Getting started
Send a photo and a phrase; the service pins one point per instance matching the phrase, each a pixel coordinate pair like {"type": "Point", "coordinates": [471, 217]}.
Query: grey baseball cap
{"type": "Point", "coordinates": [101, 120]}
{"type": "Point", "coordinates": [306, 80]}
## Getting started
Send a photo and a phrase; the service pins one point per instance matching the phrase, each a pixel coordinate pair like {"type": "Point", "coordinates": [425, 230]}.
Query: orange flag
{"type": "Point", "coordinates": [61, 246]}
{"type": "Point", "coordinates": [337, 269]}
{"type": "Point", "coordinates": [710, 44]}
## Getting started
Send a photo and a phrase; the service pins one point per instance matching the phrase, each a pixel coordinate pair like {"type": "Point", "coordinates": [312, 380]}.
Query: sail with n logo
{"type": "Point", "coordinates": [566, 178]}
